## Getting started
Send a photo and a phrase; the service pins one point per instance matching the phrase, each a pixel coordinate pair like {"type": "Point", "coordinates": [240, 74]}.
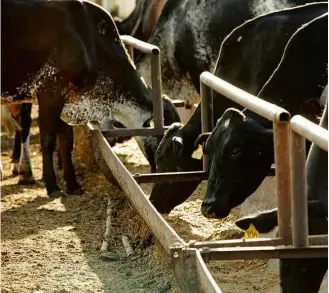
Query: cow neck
{"type": "Point", "coordinates": [191, 130]}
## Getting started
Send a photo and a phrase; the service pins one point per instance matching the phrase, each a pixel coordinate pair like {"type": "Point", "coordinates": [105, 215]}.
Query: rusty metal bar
{"type": "Point", "coordinates": [280, 118]}
{"type": "Point", "coordinates": [177, 176]}
{"type": "Point", "coordinates": [313, 240]}
{"type": "Point", "coordinates": [282, 169]}
{"type": "Point", "coordinates": [266, 252]}
{"type": "Point", "coordinates": [157, 90]}
{"type": "Point", "coordinates": [268, 110]}
{"type": "Point", "coordinates": [310, 131]}
{"type": "Point", "coordinates": [191, 273]}
{"type": "Point", "coordinates": [171, 177]}
{"type": "Point", "coordinates": [298, 191]}
{"type": "Point", "coordinates": [206, 114]}
{"type": "Point", "coordinates": [300, 128]}
{"type": "Point", "coordinates": [162, 230]}
{"type": "Point", "coordinates": [154, 51]}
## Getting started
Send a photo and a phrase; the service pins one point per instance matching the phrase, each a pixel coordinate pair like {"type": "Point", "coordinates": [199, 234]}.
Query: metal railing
{"type": "Point", "coordinates": [300, 129]}
{"type": "Point", "coordinates": [187, 259]}
{"type": "Point", "coordinates": [280, 118]}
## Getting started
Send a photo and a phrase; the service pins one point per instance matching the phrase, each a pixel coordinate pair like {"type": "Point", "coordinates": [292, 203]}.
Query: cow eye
{"type": "Point", "coordinates": [236, 153]}
{"type": "Point", "coordinates": [102, 27]}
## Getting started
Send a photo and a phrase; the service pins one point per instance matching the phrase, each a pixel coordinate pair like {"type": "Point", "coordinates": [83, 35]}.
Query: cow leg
{"type": "Point", "coordinates": [16, 154]}
{"type": "Point", "coordinates": [24, 165]}
{"type": "Point", "coordinates": [65, 139]}
{"type": "Point", "coordinates": [49, 119]}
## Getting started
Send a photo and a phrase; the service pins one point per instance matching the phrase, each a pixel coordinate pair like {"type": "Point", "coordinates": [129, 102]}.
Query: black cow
{"type": "Point", "coordinates": [240, 147]}
{"type": "Point", "coordinates": [303, 275]}
{"type": "Point", "coordinates": [189, 34]}
{"type": "Point", "coordinates": [68, 58]}
{"type": "Point", "coordinates": [248, 57]}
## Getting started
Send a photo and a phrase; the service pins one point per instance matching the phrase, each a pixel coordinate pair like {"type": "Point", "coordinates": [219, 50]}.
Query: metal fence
{"type": "Point", "coordinates": [188, 258]}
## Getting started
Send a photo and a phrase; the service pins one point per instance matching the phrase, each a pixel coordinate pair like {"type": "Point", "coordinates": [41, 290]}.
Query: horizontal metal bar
{"type": "Point", "coordinates": [171, 177]}
{"type": "Point", "coordinates": [162, 230]}
{"type": "Point", "coordinates": [310, 131]}
{"type": "Point", "coordinates": [265, 252]}
{"type": "Point", "coordinates": [179, 103]}
{"type": "Point", "coordinates": [177, 176]}
{"type": "Point", "coordinates": [313, 240]}
{"type": "Point", "coordinates": [128, 131]}
{"type": "Point", "coordinates": [261, 107]}
{"type": "Point", "coordinates": [140, 45]}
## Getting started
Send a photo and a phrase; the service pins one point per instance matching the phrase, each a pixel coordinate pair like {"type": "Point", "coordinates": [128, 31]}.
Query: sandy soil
{"type": "Point", "coordinates": [54, 245]}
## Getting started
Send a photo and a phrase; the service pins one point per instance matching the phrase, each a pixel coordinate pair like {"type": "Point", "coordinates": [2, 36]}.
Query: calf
{"type": "Point", "coordinates": [68, 58]}
{"type": "Point", "coordinates": [240, 147]}
{"type": "Point", "coordinates": [247, 58]}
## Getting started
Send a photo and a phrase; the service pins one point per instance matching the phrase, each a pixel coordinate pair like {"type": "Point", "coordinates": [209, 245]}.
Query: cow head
{"type": "Point", "coordinates": [240, 154]}
{"type": "Point", "coordinates": [103, 81]}
{"type": "Point", "coordinates": [296, 275]}
{"type": "Point", "coordinates": [174, 155]}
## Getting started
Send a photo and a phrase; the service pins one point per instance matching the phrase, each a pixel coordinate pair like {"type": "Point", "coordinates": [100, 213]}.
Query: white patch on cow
{"type": "Point", "coordinates": [260, 7]}
{"type": "Point", "coordinates": [103, 103]}
{"type": "Point", "coordinates": [176, 83]}
{"type": "Point", "coordinates": [227, 123]}
{"type": "Point", "coordinates": [25, 160]}
{"type": "Point", "coordinates": [239, 39]}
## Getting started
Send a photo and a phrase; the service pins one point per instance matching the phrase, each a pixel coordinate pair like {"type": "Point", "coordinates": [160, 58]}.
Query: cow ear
{"type": "Point", "coordinates": [201, 139]}
{"type": "Point", "coordinates": [264, 222]}
{"type": "Point", "coordinates": [178, 145]}
{"type": "Point", "coordinates": [311, 107]}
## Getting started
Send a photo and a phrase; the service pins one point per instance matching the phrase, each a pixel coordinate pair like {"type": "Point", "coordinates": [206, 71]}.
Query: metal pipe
{"type": "Point", "coordinates": [298, 191]}
{"type": "Point", "coordinates": [266, 252]}
{"type": "Point", "coordinates": [282, 171]}
{"type": "Point", "coordinates": [313, 241]}
{"type": "Point", "coordinates": [134, 132]}
{"type": "Point", "coordinates": [177, 176]}
{"type": "Point", "coordinates": [171, 177]}
{"type": "Point", "coordinates": [157, 90]}
{"type": "Point", "coordinates": [269, 111]}
{"type": "Point", "coordinates": [206, 110]}
{"type": "Point", "coordinates": [140, 45]}
{"type": "Point", "coordinates": [310, 131]}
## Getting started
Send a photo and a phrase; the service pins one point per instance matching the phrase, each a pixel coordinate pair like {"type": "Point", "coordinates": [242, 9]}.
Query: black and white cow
{"type": "Point", "coordinates": [240, 147]}
{"type": "Point", "coordinates": [248, 57]}
{"type": "Point", "coordinates": [68, 58]}
{"type": "Point", "coordinates": [303, 275]}
{"type": "Point", "coordinates": [189, 34]}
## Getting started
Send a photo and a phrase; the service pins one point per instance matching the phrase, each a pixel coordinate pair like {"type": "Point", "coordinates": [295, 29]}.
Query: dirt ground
{"type": "Point", "coordinates": [53, 245]}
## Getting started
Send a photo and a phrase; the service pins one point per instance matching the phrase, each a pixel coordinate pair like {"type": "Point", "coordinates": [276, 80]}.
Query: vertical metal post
{"type": "Point", "coordinates": [282, 172]}
{"type": "Point", "coordinates": [206, 113]}
{"type": "Point", "coordinates": [298, 191]}
{"type": "Point", "coordinates": [157, 89]}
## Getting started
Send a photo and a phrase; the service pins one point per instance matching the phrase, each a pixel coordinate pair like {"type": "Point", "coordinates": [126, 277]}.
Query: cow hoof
{"type": "Point", "coordinates": [57, 194]}
{"type": "Point", "coordinates": [14, 169]}
{"type": "Point", "coordinates": [75, 191]}
{"type": "Point", "coordinates": [26, 180]}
